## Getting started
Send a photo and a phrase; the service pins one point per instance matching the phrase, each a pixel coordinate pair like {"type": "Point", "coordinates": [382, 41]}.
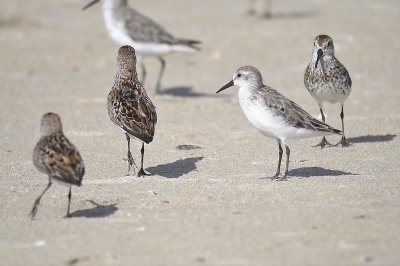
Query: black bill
{"type": "Point", "coordinates": [319, 55]}
{"type": "Point", "coordinates": [229, 84]}
{"type": "Point", "coordinates": [90, 4]}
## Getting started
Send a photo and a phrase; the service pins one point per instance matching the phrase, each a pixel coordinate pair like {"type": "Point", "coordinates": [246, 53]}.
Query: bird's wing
{"type": "Point", "coordinates": [143, 29]}
{"type": "Point", "coordinates": [292, 112]}
{"type": "Point", "coordinates": [134, 113]}
{"type": "Point", "coordinates": [57, 157]}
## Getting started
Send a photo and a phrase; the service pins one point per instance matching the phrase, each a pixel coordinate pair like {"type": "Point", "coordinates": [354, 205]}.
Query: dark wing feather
{"type": "Point", "coordinates": [133, 112]}
{"type": "Point", "coordinates": [57, 157]}
{"type": "Point", "coordinates": [143, 29]}
{"type": "Point", "coordinates": [292, 112]}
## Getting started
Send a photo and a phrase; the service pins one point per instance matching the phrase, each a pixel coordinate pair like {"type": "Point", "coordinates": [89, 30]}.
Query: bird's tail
{"type": "Point", "coordinates": [186, 46]}
{"type": "Point", "coordinates": [336, 131]}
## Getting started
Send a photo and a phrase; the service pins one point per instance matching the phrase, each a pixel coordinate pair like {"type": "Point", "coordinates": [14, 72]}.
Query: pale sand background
{"type": "Point", "coordinates": [205, 206]}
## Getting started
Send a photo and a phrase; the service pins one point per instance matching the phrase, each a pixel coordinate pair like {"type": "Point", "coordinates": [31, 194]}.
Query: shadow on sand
{"type": "Point", "coordinates": [185, 92]}
{"type": "Point", "coordinates": [369, 138]}
{"type": "Point", "coordinates": [315, 172]}
{"type": "Point", "coordinates": [96, 212]}
{"type": "Point", "coordinates": [175, 169]}
{"type": "Point", "coordinates": [289, 14]}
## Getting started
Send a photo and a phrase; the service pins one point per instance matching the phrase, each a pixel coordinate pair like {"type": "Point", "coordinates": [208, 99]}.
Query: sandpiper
{"type": "Point", "coordinates": [273, 114]}
{"type": "Point", "coordinates": [128, 105]}
{"type": "Point", "coordinates": [127, 26]}
{"type": "Point", "coordinates": [327, 80]}
{"type": "Point", "coordinates": [56, 157]}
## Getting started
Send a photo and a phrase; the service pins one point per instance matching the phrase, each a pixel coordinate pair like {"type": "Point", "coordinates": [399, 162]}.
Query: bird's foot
{"type": "Point", "coordinates": [344, 142]}
{"type": "Point", "coordinates": [283, 178]}
{"type": "Point", "coordinates": [251, 12]}
{"type": "Point", "coordinates": [323, 143]}
{"type": "Point", "coordinates": [131, 164]}
{"type": "Point", "coordinates": [33, 212]}
{"type": "Point", "coordinates": [274, 177]}
{"type": "Point", "coordinates": [142, 173]}
{"type": "Point", "coordinates": [267, 14]}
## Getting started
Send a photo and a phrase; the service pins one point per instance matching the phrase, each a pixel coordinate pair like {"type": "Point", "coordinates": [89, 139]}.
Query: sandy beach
{"type": "Point", "coordinates": [206, 205]}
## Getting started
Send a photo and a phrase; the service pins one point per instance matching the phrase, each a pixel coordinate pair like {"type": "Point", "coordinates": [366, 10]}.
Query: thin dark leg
{"type": "Point", "coordinates": [278, 171]}
{"type": "Point", "coordinates": [131, 161]}
{"type": "Point", "coordinates": [141, 171]}
{"type": "Point", "coordinates": [267, 9]}
{"type": "Point", "coordinates": [69, 202]}
{"type": "Point", "coordinates": [37, 201]}
{"type": "Point", "coordinates": [158, 86]}
{"type": "Point", "coordinates": [252, 9]}
{"type": "Point", "coordinates": [343, 141]}
{"type": "Point", "coordinates": [287, 163]}
{"type": "Point", "coordinates": [323, 142]}
{"type": "Point", "coordinates": [322, 115]}
{"type": "Point", "coordinates": [144, 72]}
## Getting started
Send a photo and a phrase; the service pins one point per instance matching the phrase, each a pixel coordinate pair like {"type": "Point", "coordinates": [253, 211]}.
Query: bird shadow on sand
{"type": "Point", "coordinates": [290, 14]}
{"type": "Point", "coordinates": [306, 172]}
{"type": "Point", "coordinates": [175, 169]}
{"type": "Point", "coordinates": [96, 212]}
{"type": "Point", "coordinates": [184, 92]}
{"type": "Point", "coordinates": [369, 138]}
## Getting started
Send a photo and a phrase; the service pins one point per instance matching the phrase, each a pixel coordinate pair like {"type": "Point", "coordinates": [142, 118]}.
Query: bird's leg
{"type": "Point", "coordinates": [37, 201]}
{"type": "Point", "coordinates": [144, 72]}
{"type": "Point", "coordinates": [279, 161]}
{"type": "Point", "coordinates": [323, 142]}
{"type": "Point", "coordinates": [343, 141]}
{"type": "Point", "coordinates": [252, 9]}
{"type": "Point", "coordinates": [322, 115]}
{"type": "Point", "coordinates": [69, 203]}
{"type": "Point", "coordinates": [158, 86]}
{"type": "Point", "coordinates": [283, 178]}
{"type": "Point", "coordinates": [141, 171]}
{"type": "Point", "coordinates": [267, 9]}
{"type": "Point", "coordinates": [131, 161]}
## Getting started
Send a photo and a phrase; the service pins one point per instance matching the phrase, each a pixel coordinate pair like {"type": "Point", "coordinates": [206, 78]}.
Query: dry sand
{"type": "Point", "coordinates": [205, 206]}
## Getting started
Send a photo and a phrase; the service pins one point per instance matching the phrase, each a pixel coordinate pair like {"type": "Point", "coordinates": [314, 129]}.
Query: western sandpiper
{"type": "Point", "coordinates": [56, 157]}
{"type": "Point", "coordinates": [273, 114]}
{"type": "Point", "coordinates": [128, 105]}
{"type": "Point", "coordinates": [327, 80]}
{"type": "Point", "coordinates": [127, 26]}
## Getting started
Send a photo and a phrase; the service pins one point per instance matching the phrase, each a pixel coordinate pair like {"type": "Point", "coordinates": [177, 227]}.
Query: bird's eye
{"type": "Point", "coordinates": [239, 75]}
{"type": "Point", "coordinates": [329, 43]}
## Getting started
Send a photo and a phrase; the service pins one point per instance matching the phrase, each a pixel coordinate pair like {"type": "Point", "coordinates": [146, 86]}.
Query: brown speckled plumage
{"type": "Point", "coordinates": [128, 105]}
{"type": "Point", "coordinates": [55, 156]}
{"type": "Point", "coordinates": [327, 79]}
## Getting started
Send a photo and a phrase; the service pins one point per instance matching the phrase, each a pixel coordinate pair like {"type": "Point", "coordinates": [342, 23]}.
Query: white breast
{"type": "Point", "coordinates": [259, 115]}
